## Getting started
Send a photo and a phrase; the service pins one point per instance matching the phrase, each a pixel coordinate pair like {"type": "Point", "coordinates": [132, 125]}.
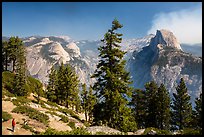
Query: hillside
{"type": "Point", "coordinates": [35, 118]}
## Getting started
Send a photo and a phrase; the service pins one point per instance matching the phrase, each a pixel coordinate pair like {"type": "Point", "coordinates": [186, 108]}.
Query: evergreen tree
{"type": "Point", "coordinates": [20, 73]}
{"type": "Point", "coordinates": [51, 88]}
{"type": "Point", "coordinates": [91, 101]}
{"type": "Point", "coordinates": [67, 87]}
{"type": "Point", "coordinates": [112, 86]}
{"type": "Point", "coordinates": [163, 108]}
{"type": "Point", "coordinates": [5, 55]}
{"type": "Point", "coordinates": [13, 44]}
{"type": "Point", "coordinates": [152, 104]}
{"type": "Point", "coordinates": [72, 82]}
{"type": "Point", "coordinates": [198, 112]}
{"type": "Point", "coordinates": [61, 86]}
{"type": "Point", "coordinates": [139, 107]}
{"type": "Point", "coordinates": [85, 100]}
{"type": "Point", "coordinates": [181, 107]}
{"type": "Point", "coordinates": [39, 90]}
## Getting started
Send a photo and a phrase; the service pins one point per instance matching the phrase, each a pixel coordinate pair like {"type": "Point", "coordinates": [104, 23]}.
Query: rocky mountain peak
{"type": "Point", "coordinates": [73, 49]}
{"type": "Point", "coordinates": [164, 38]}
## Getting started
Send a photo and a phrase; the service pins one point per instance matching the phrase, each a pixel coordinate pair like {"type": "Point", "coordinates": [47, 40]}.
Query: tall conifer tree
{"type": "Point", "coordinates": [181, 107]}
{"type": "Point", "coordinates": [139, 107]}
{"type": "Point", "coordinates": [163, 108]}
{"type": "Point", "coordinates": [51, 87]}
{"type": "Point", "coordinates": [112, 86]}
{"type": "Point", "coordinates": [20, 72]}
{"type": "Point", "coordinates": [198, 112]}
{"type": "Point", "coordinates": [152, 104]}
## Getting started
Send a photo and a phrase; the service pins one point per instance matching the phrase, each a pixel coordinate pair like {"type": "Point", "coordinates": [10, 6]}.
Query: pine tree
{"type": "Point", "coordinates": [5, 56]}
{"type": "Point", "coordinates": [61, 84]}
{"type": "Point", "coordinates": [91, 101]}
{"type": "Point", "coordinates": [112, 86]}
{"type": "Point", "coordinates": [67, 87]}
{"type": "Point", "coordinates": [51, 88]}
{"type": "Point", "coordinates": [139, 107]}
{"type": "Point", "coordinates": [20, 73]}
{"type": "Point", "coordinates": [84, 96]}
{"type": "Point", "coordinates": [152, 104]}
{"type": "Point", "coordinates": [13, 44]}
{"type": "Point", "coordinates": [163, 108]}
{"type": "Point", "coordinates": [39, 90]}
{"type": "Point", "coordinates": [72, 82]}
{"type": "Point", "coordinates": [181, 107]}
{"type": "Point", "coordinates": [198, 112]}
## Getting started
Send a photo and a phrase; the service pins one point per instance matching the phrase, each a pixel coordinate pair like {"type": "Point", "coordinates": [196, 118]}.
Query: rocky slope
{"type": "Point", "coordinates": [44, 52]}
{"type": "Point", "coordinates": [165, 62]}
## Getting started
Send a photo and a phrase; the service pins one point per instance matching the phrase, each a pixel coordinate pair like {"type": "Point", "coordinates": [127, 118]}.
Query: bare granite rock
{"type": "Point", "coordinates": [105, 129]}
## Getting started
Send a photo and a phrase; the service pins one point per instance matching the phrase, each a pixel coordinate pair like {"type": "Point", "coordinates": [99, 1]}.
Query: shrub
{"type": "Point", "coordinates": [7, 99]}
{"type": "Point", "coordinates": [42, 104]}
{"type": "Point", "coordinates": [5, 92]}
{"type": "Point", "coordinates": [76, 131]}
{"type": "Point", "coordinates": [158, 131]}
{"type": "Point", "coordinates": [52, 104]}
{"type": "Point", "coordinates": [49, 131]}
{"type": "Point", "coordinates": [191, 131]}
{"type": "Point", "coordinates": [52, 113]}
{"type": "Point", "coordinates": [86, 124]}
{"type": "Point", "coordinates": [20, 100]}
{"type": "Point", "coordinates": [31, 84]}
{"type": "Point", "coordinates": [7, 80]}
{"type": "Point", "coordinates": [69, 111]}
{"type": "Point", "coordinates": [28, 128]}
{"type": "Point", "coordinates": [72, 125]}
{"type": "Point", "coordinates": [6, 116]}
{"type": "Point", "coordinates": [64, 118]}
{"type": "Point", "coordinates": [32, 113]}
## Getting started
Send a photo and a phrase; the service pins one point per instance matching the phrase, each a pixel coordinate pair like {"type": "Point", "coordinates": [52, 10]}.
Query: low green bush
{"type": "Point", "coordinates": [7, 99]}
{"type": "Point", "coordinates": [69, 111]}
{"type": "Point", "coordinates": [52, 113]}
{"type": "Point", "coordinates": [64, 118]}
{"type": "Point", "coordinates": [20, 100]}
{"type": "Point", "coordinates": [52, 104]}
{"type": "Point", "coordinates": [191, 131]}
{"type": "Point", "coordinates": [5, 92]}
{"type": "Point", "coordinates": [76, 131]}
{"type": "Point", "coordinates": [86, 123]}
{"type": "Point", "coordinates": [158, 131]}
{"type": "Point", "coordinates": [7, 80]}
{"type": "Point", "coordinates": [6, 116]}
{"type": "Point", "coordinates": [28, 128]}
{"type": "Point", "coordinates": [42, 104]}
{"type": "Point", "coordinates": [32, 113]}
{"type": "Point", "coordinates": [72, 125]}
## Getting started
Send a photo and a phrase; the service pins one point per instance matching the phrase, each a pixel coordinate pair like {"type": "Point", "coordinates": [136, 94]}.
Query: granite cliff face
{"type": "Point", "coordinates": [44, 52]}
{"type": "Point", "coordinates": [165, 62]}
{"type": "Point", "coordinates": [153, 57]}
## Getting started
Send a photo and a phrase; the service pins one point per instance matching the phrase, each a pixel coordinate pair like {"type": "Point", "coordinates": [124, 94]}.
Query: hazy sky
{"type": "Point", "coordinates": [90, 20]}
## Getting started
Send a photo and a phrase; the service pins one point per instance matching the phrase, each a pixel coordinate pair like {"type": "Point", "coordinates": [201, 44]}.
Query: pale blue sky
{"type": "Point", "coordinates": [86, 20]}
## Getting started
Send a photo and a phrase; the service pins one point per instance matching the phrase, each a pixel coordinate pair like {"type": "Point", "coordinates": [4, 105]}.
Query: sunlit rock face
{"type": "Point", "coordinates": [153, 57]}
{"type": "Point", "coordinates": [165, 62]}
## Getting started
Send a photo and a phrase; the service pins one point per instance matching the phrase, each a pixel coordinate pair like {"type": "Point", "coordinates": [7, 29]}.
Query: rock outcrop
{"type": "Point", "coordinates": [164, 62]}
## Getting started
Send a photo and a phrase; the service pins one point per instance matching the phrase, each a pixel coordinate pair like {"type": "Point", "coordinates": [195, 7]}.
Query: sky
{"type": "Point", "coordinates": [91, 20]}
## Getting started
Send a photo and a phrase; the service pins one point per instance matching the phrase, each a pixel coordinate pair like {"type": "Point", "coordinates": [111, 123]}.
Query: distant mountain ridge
{"type": "Point", "coordinates": [157, 57]}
